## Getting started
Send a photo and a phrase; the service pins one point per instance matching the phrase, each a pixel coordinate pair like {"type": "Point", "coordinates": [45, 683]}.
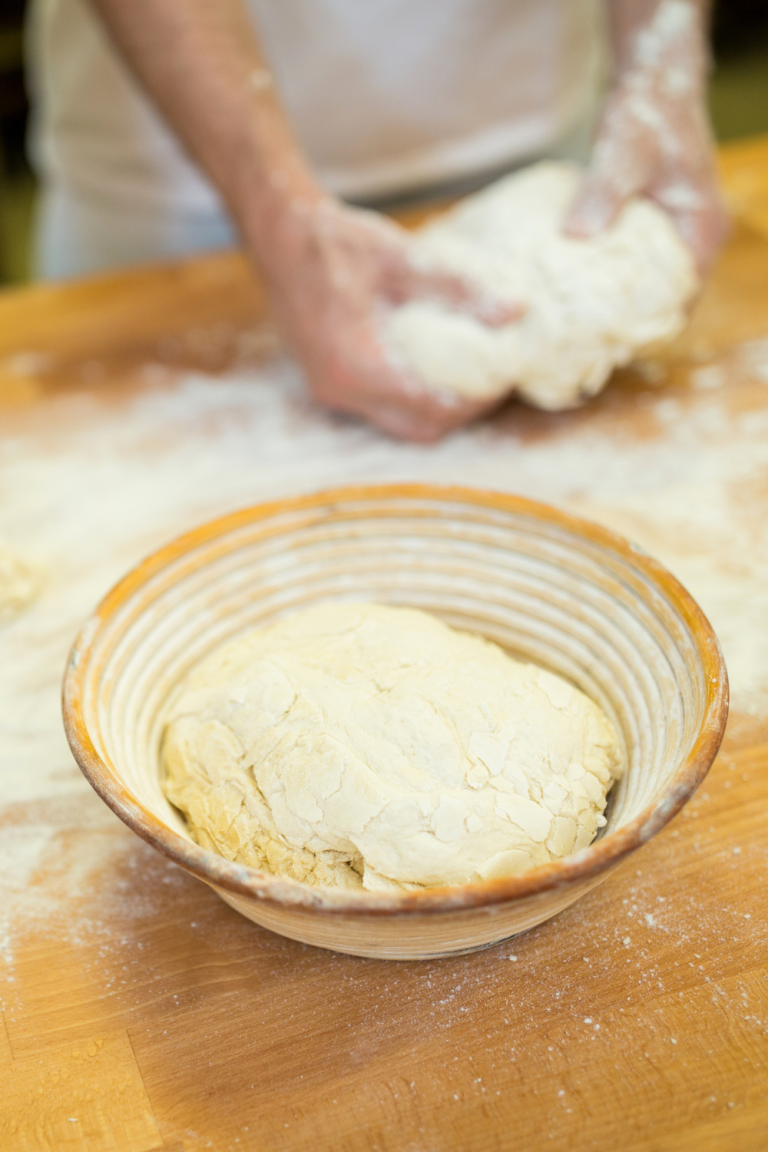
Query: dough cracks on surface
{"type": "Point", "coordinates": [592, 305]}
{"type": "Point", "coordinates": [362, 746]}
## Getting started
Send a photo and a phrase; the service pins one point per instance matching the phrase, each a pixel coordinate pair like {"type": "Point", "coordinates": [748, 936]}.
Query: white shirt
{"type": "Point", "coordinates": [385, 95]}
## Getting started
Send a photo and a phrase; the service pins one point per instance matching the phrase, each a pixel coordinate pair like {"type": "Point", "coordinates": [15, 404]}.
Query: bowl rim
{"type": "Point", "coordinates": [243, 880]}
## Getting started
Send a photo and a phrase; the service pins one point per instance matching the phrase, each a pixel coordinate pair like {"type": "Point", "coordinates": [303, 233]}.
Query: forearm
{"type": "Point", "coordinates": [202, 64]}
{"type": "Point", "coordinates": [654, 138]}
{"type": "Point", "coordinates": [649, 36]}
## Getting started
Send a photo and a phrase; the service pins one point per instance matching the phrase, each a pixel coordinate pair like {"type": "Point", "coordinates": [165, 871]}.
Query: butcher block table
{"type": "Point", "coordinates": [138, 1011]}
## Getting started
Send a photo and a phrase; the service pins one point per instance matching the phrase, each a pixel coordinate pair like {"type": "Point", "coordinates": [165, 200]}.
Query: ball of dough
{"type": "Point", "coordinates": [20, 583]}
{"type": "Point", "coordinates": [358, 745]}
{"type": "Point", "coordinates": [591, 304]}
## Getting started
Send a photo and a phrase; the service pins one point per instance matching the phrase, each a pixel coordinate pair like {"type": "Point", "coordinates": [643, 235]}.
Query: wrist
{"type": "Point", "coordinates": [269, 187]}
{"type": "Point", "coordinates": [280, 225]}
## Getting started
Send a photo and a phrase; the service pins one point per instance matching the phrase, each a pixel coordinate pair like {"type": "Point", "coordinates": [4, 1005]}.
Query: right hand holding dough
{"type": "Point", "coordinates": [333, 272]}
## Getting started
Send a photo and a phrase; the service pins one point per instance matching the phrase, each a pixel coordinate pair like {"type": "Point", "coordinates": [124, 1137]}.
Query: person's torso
{"type": "Point", "coordinates": [385, 96]}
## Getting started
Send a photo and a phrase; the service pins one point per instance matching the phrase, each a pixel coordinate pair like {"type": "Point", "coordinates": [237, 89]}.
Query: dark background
{"type": "Point", "coordinates": [738, 103]}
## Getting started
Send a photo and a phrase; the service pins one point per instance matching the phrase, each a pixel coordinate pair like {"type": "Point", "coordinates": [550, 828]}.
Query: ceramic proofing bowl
{"type": "Point", "coordinates": [562, 592]}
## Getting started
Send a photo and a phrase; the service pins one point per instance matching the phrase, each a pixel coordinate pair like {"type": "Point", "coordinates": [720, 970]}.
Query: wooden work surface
{"type": "Point", "coordinates": [139, 1012]}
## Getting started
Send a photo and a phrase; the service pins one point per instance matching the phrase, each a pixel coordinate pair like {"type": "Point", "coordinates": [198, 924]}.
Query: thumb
{"type": "Point", "coordinates": [595, 207]}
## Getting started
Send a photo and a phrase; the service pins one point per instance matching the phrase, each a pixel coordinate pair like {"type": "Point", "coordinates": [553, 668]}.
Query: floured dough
{"type": "Point", "coordinates": [19, 583]}
{"type": "Point", "coordinates": [365, 746]}
{"type": "Point", "coordinates": [592, 304]}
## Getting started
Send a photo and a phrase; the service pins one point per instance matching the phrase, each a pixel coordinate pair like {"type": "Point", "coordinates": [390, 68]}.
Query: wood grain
{"type": "Point", "coordinates": [80, 1096]}
{"type": "Point", "coordinates": [637, 1019]}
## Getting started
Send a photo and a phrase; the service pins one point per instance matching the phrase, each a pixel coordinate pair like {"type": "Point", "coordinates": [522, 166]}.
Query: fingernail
{"type": "Point", "coordinates": [499, 313]}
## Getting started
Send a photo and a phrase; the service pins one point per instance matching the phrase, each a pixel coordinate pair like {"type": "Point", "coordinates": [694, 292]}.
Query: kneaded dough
{"type": "Point", "coordinates": [20, 583]}
{"type": "Point", "coordinates": [357, 745]}
{"type": "Point", "coordinates": [591, 304]}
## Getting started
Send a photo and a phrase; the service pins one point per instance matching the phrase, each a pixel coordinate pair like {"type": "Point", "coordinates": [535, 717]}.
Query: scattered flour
{"type": "Point", "coordinates": [754, 356]}
{"type": "Point", "coordinates": [19, 583]}
{"type": "Point", "coordinates": [591, 304]}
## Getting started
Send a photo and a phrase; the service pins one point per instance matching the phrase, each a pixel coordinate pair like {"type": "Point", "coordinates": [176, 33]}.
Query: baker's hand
{"type": "Point", "coordinates": [337, 272]}
{"type": "Point", "coordinates": [654, 138]}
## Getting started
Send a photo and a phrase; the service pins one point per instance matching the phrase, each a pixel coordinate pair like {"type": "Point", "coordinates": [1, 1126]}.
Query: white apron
{"type": "Point", "coordinates": [386, 96]}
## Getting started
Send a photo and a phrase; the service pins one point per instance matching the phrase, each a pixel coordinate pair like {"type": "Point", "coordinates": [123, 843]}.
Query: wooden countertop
{"type": "Point", "coordinates": [140, 1013]}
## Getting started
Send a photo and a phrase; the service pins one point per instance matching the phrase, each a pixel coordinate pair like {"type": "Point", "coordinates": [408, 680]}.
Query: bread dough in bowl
{"type": "Point", "coordinates": [364, 746]}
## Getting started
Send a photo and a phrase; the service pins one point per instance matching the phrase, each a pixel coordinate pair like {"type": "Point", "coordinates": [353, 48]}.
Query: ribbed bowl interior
{"type": "Point", "coordinates": [536, 583]}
